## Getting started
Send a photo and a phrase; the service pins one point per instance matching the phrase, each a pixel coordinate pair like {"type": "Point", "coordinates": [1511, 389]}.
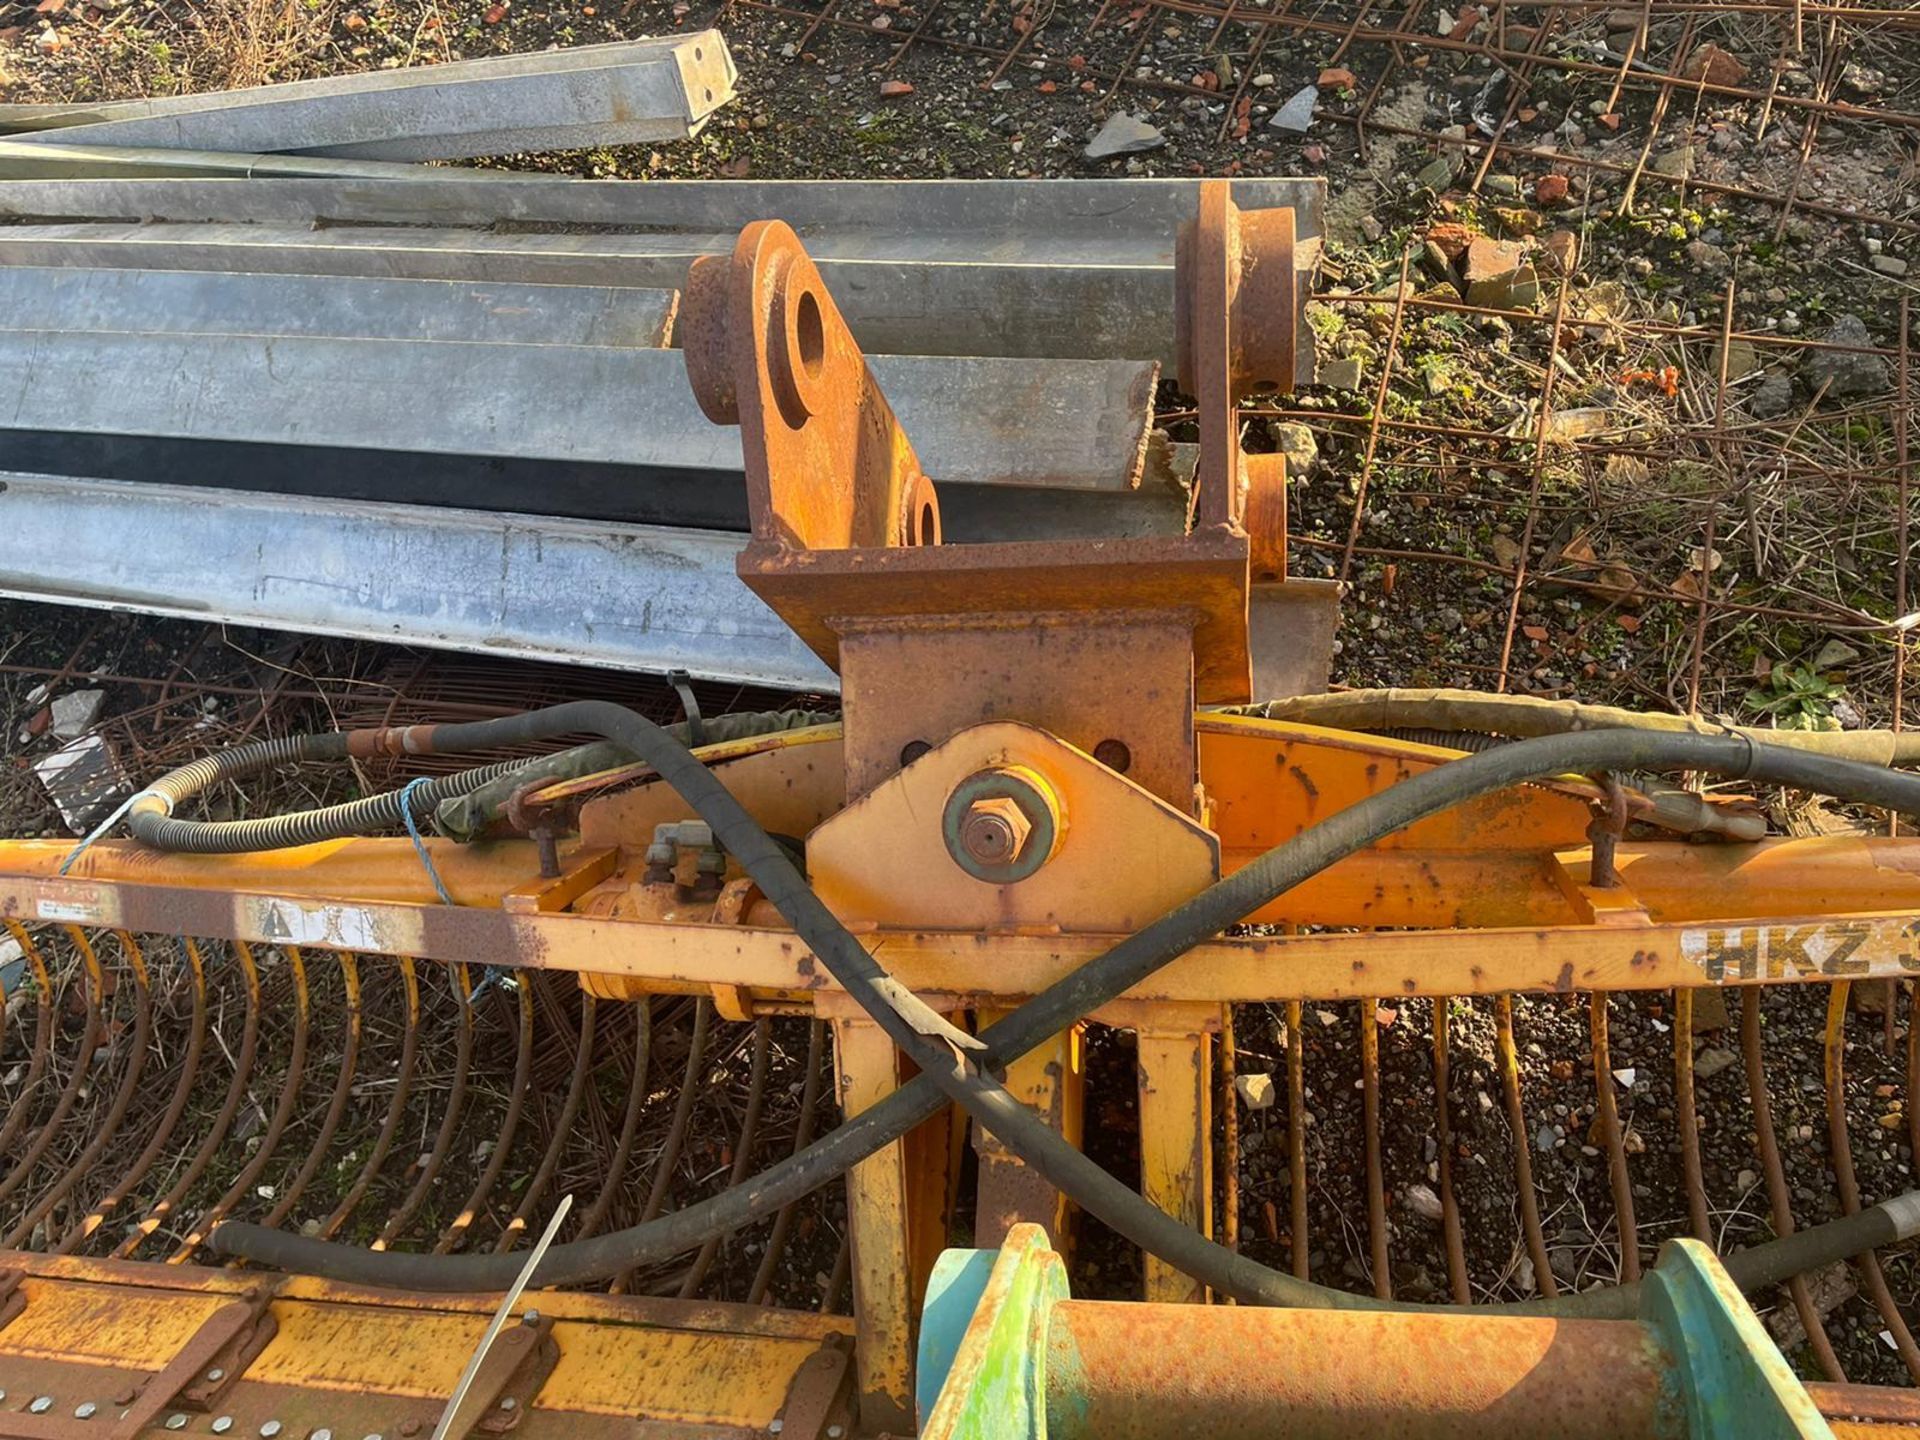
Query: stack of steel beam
{"type": "Point", "coordinates": [446, 409]}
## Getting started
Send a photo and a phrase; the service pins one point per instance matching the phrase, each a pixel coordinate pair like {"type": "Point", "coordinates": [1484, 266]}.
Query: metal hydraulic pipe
{"type": "Point", "coordinates": [1113, 1371]}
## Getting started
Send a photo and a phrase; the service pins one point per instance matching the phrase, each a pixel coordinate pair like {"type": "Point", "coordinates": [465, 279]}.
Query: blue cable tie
{"type": "Point", "coordinates": [494, 975]}
{"type": "Point", "coordinates": [419, 845]}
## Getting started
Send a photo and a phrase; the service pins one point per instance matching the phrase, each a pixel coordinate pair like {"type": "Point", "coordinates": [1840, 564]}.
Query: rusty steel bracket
{"type": "Point", "coordinates": [244, 1330]}
{"type": "Point", "coordinates": [845, 544]}
{"type": "Point", "coordinates": [226, 1341]}
{"type": "Point", "coordinates": [12, 1299]}
{"type": "Point", "coordinates": [828, 467]}
{"type": "Point", "coordinates": [819, 1401]}
{"type": "Point", "coordinates": [510, 1377]}
{"type": "Point", "coordinates": [1235, 322]}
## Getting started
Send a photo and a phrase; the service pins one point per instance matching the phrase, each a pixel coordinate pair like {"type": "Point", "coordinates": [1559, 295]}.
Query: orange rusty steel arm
{"type": "Point", "coordinates": [828, 466]}
{"type": "Point", "coordinates": [1235, 322]}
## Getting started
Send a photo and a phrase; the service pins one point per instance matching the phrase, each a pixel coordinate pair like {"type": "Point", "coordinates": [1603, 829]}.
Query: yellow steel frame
{"type": "Point", "coordinates": [144, 1343]}
{"type": "Point", "coordinates": [1492, 897]}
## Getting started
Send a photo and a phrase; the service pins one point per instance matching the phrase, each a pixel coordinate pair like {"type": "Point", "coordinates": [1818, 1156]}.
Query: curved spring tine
{"type": "Point", "coordinates": [743, 1148]}
{"type": "Point", "coordinates": [509, 1125]}
{"type": "Point", "coordinates": [223, 1122]}
{"type": "Point", "coordinates": [802, 1137]}
{"type": "Point", "coordinates": [1522, 1157]}
{"type": "Point", "coordinates": [1780, 1207]}
{"type": "Point", "coordinates": [336, 1107]}
{"type": "Point", "coordinates": [630, 1122]}
{"type": "Point", "coordinates": [670, 1148]}
{"type": "Point", "coordinates": [562, 1129]}
{"type": "Point", "coordinates": [81, 1166]}
{"type": "Point", "coordinates": [449, 1118]}
{"type": "Point", "coordinates": [276, 1127]}
{"type": "Point", "coordinates": [1842, 1156]}
{"type": "Point", "coordinates": [169, 1122]}
{"type": "Point", "coordinates": [1689, 1118]}
{"type": "Point", "coordinates": [1297, 1139]}
{"type": "Point", "coordinates": [396, 1103]}
{"type": "Point", "coordinates": [82, 1062]}
{"type": "Point", "coordinates": [1913, 1066]}
{"type": "Point", "coordinates": [1457, 1278]}
{"type": "Point", "coordinates": [20, 1111]}
{"type": "Point", "coordinates": [1380, 1258]}
{"type": "Point", "coordinates": [1609, 1117]}
{"type": "Point", "coordinates": [1229, 1109]}
{"type": "Point", "coordinates": [837, 1277]}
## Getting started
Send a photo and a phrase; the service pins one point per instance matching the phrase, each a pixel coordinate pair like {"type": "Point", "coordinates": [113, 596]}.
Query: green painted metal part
{"type": "Point", "coordinates": [983, 1372]}
{"type": "Point", "coordinates": [1730, 1376]}
{"type": "Point", "coordinates": [993, 1384]}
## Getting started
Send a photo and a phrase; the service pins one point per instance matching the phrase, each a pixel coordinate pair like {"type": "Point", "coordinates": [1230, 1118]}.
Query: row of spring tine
{"type": "Point", "coordinates": [166, 1201]}
{"type": "Point", "coordinates": [1612, 1141]}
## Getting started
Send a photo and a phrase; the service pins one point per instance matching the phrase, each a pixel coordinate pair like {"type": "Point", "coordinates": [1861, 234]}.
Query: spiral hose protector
{"type": "Point", "coordinates": [151, 820]}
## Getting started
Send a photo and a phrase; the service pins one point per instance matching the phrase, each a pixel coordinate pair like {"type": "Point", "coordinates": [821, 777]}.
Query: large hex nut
{"type": "Point", "coordinates": [1002, 825]}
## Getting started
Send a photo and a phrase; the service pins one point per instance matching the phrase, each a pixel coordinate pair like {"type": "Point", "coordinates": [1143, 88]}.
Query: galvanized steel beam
{"type": "Point", "coordinates": [901, 294]}
{"type": "Point", "coordinates": [196, 302]}
{"type": "Point", "coordinates": [983, 268]}
{"type": "Point", "coordinates": [630, 92]}
{"type": "Point", "coordinates": [1147, 211]}
{"type": "Point", "coordinates": [627, 596]}
{"type": "Point", "coordinates": [1076, 425]}
{"type": "Point", "coordinates": [23, 160]}
{"type": "Point", "coordinates": [1026, 448]}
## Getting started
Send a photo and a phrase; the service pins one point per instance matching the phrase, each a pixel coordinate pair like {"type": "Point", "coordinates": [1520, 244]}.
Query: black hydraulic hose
{"type": "Point", "coordinates": [151, 820]}
{"type": "Point", "coordinates": [1074, 996]}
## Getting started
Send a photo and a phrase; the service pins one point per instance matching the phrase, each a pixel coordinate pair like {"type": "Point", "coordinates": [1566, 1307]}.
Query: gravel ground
{"type": "Point", "coordinates": [1795, 486]}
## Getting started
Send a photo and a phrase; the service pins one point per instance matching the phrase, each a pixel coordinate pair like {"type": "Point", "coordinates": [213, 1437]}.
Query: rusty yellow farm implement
{"type": "Point", "coordinates": [1045, 814]}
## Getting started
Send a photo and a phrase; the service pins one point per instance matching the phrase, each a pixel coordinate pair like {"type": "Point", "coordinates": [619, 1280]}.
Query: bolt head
{"type": "Point", "coordinates": [323, 1433]}
{"type": "Point", "coordinates": [84, 1410]}
{"type": "Point", "coordinates": [995, 830]}
{"type": "Point", "coordinates": [41, 1404]}
{"type": "Point", "coordinates": [216, 1374]}
{"type": "Point", "coordinates": [222, 1424]}
{"type": "Point", "coordinates": [270, 1428]}
{"type": "Point", "coordinates": [176, 1421]}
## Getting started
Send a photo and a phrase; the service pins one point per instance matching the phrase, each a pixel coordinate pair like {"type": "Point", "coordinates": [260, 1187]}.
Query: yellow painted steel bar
{"type": "Point", "coordinates": [1477, 889]}
{"type": "Point", "coordinates": [958, 968]}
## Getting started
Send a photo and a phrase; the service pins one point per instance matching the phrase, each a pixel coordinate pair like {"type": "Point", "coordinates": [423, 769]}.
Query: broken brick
{"type": "Point", "coordinates": [1714, 66]}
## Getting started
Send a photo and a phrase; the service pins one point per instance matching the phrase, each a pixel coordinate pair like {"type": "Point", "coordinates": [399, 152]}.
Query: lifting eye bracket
{"type": "Point", "coordinates": [845, 526]}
